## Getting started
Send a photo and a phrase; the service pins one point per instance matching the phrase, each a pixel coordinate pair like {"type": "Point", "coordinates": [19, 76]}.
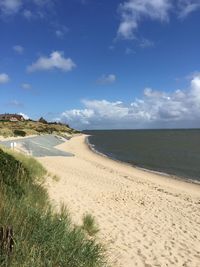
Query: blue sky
{"type": "Point", "coordinates": [102, 64]}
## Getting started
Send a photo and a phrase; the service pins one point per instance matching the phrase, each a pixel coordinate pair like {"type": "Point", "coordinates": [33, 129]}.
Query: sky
{"type": "Point", "coordinates": [99, 64]}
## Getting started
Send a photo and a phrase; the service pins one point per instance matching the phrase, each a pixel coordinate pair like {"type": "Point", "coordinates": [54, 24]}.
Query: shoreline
{"type": "Point", "coordinates": [163, 174]}
{"type": "Point", "coordinates": [145, 219]}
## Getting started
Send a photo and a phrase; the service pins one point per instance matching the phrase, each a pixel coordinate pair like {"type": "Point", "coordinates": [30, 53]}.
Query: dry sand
{"type": "Point", "coordinates": [145, 219]}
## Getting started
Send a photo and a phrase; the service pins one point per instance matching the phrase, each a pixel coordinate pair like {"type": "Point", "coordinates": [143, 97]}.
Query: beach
{"type": "Point", "coordinates": [145, 219]}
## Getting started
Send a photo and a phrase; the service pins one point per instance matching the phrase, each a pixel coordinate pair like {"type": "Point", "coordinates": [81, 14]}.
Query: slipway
{"type": "Point", "coordinates": [39, 146]}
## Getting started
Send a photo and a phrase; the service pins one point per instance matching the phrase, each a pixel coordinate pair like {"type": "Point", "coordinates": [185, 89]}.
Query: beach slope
{"type": "Point", "coordinates": [146, 219]}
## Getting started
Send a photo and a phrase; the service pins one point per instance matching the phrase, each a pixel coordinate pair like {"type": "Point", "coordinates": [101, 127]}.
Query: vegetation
{"type": "Point", "coordinates": [19, 133]}
{"type": "Point", "coordinates": [89, 224]}
{"type": "Point", "coordinates": [43, 120]}
{"type": "Point", "coordinates": [29, 127]}
{"type": "Point", "coordinates": [41, 236]}
{"type": "Point", "coordinates": [56, 178]}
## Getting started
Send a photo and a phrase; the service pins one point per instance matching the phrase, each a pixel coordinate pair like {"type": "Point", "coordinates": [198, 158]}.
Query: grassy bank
{"type": "Point", "coordinates": [29, 127]}
{"type": "Point", "coordinates": [41, 236]}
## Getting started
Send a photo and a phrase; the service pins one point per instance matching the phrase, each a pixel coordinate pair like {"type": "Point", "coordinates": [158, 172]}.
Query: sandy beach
{"type": "Point", "coordinates": [145, 219]}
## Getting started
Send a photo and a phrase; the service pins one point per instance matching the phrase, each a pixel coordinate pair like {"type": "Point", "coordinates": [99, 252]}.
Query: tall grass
{"type": "Point", "coordinates": [42, 237]}
{"type": "Point", "coordinates": [35, 170]}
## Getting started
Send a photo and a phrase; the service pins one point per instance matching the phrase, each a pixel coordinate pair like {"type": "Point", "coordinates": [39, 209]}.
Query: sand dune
{"type": "Point", "coordinates": [145, 219]}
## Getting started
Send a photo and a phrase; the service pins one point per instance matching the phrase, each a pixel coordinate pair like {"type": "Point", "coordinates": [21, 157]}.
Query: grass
{"type": "Point", "coordinates": [42, 237]}
{"type": "Point", "coordinates": [56, 178]}
{"type": "Point", "coordinates": [6, 132]}
{"type": "Point", "coordinates": [35, 170]}
{"type": "Point", "coordinates": [29, 127]}
{"type": "Point", "coordinates": [89, 225]}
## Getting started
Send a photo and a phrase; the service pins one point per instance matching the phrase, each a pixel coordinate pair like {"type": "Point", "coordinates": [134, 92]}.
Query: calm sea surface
{"type": "Point", "coordinates": [175, 152]}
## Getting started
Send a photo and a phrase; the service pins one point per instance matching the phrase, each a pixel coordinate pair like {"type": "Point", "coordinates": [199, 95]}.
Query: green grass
{"type": "Point", "coordinates": [89, 225]}
{"type": "Point", "coordinates": [6, 132]}
{"type": "Point", "coordinates": [29, 127]}
{"type": "Point", "coordinates": [42, 237]}
{"type": "Point", "coordinates": [35, 170]}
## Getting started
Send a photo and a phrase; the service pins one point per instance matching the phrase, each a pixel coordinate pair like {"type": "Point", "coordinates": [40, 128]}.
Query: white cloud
{"type": "Point", "coordinates": [187, 6]}
{"type": "Point", "coordinates": [60, 30]}
{"type": "Point", "coordinates": [155, 109]}
{"type": "Point", "coordinates": [28, 14]}
{"type": "Point", "coordinates": [129, 51]}
{"type": "Point", "coordinates": [18, 49]}
{"type": "Point", "coordinates": [133, 11]}
{"type": "Point", "coordinates": [144, 43]}
{"type": "Point", "coordinates": [56, 60]}
{"type": "Point", "coordinates": [29, 8]}
{"type": "Point", "coordinates": [4, 78]}
{"type": "Point", "coordinates": [26, 86]}
{"type": "Point", "coordinates": [59, 33]}
{"type": "Point", "coordinates": [107, 79]}
{"type": "Point", "coordinates": [26, 117]}
{"type": "Point", "coordinates": [10, 6]}
{"type": "Point", "coordinates": [42, 2]}
{"type": "Point", "coordinates": [15, 103]}
{"type": "Point", "coordinates": [111, 47]}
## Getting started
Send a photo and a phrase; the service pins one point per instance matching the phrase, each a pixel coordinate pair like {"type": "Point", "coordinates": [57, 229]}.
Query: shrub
{"type": "Point", "coordinates": [19, 133]}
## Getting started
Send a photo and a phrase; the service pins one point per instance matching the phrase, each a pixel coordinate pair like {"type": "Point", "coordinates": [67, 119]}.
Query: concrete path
{"type": "Point", "coordinates": [39, 146]}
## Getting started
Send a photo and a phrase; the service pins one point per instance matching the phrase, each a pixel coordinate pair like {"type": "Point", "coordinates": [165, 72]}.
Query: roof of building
{"type": "Point", "coordinates": [7, 115]}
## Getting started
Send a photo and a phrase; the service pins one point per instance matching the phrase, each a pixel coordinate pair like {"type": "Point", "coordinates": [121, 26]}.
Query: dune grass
{"type": "Point", "coordinates": [30, 127]}
{"type": "Point", "coordinates": [42, 237]}
{"type": "Point", "coordinates": [6, 132]}
{"type": "Point", "coordinates": [90, 225]}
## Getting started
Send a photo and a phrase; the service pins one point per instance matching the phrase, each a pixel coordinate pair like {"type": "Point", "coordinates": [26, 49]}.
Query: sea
{"type": "Point", "coordinates": [171, 152]}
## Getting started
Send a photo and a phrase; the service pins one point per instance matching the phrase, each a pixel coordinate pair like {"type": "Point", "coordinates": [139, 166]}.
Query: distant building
{"type": "Point", "coordinates": [11, 117]}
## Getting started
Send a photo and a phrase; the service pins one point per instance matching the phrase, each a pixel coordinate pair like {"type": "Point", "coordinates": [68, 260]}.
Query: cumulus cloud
{"type": "Point", "coordinates": [18, 49]}
{"type": "Point", "coordinates": [155, 109]}
{"type": "Point", "coordinates": [4, 78]}
{"type": "Point", "coordinates": [56, 60]}
{"type": "Point", "coordinates": [107, 79]}
{"type": "Point", "coordinates": [133, 11]}
{"type": "Point", "coordinates": [26, 117]}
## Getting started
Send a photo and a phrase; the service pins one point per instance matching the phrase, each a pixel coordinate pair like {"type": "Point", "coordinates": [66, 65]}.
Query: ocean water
{"type": "Point", "coordinates": [175, 152]}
